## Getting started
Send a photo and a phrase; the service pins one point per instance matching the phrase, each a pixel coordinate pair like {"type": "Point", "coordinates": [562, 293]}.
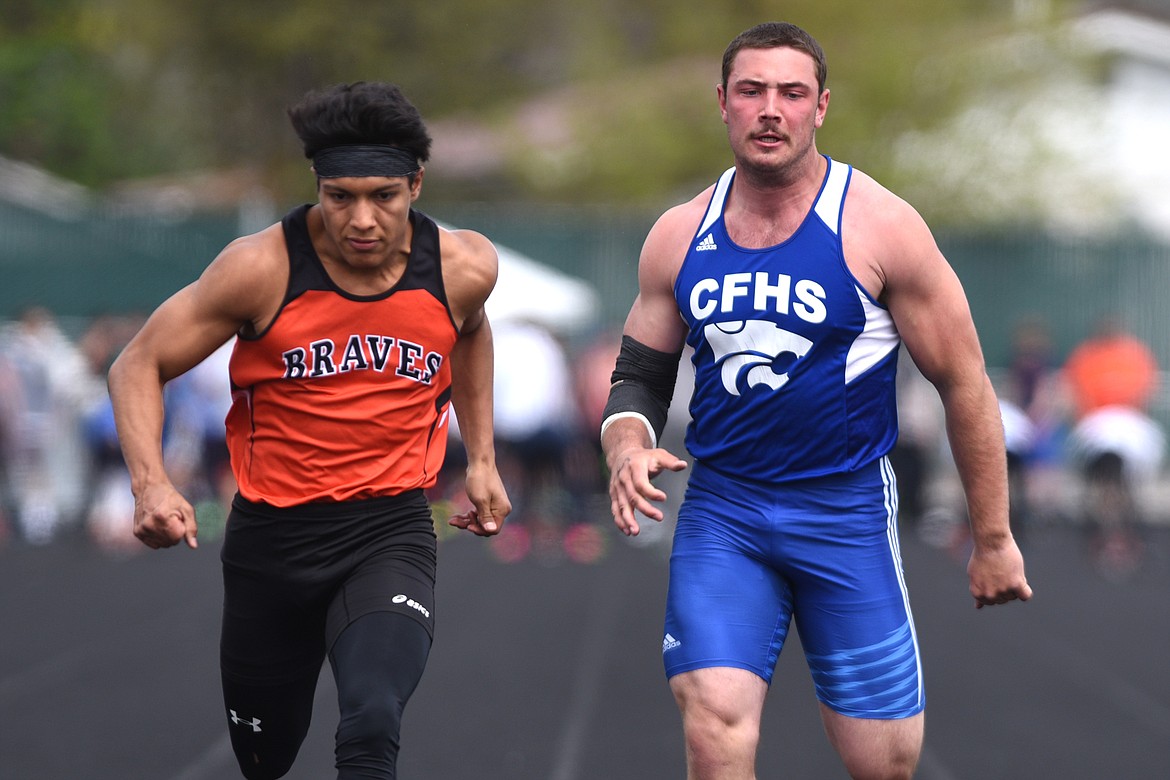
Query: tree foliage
{"type": "Point", "coordinates": [104, 90]}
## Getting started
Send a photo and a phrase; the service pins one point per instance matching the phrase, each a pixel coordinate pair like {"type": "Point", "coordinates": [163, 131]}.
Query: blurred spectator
{"type": "Point", "coordinates": [592, 366]}
{"type": "Point", "coordinates": [194, 440]}
{"type": "Point", "coordinates": [196, 444]}
{"type": "Point", "coordinates": [110, 511]}
{"type": "Point", "coordinates": [586, 478]}
{"type": "Point", "coordinates": [1034, 410]}
{"type": "Point", "coordinates": [110, 508]}
{"type": "Point", "coordinates": [1116, 446]}
{"type": "Point", "coordinates": [1019, 435]}
{"type": "Point", "coordinates": [11, 409]}
{"type": "Point", "coordinates": [920, 440]}
{"type": "Point", "coordinates": [548, 406]}
{"type": "Point", "coordinates": [43, 447]}
{"type": "Point", "coordinates": [535, 420]}
{"type": "Point", "coordinates": [1111, 368]}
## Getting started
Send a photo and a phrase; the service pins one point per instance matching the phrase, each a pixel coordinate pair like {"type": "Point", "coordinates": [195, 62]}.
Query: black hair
{"type": "Point", "coordinates": [364, 112]}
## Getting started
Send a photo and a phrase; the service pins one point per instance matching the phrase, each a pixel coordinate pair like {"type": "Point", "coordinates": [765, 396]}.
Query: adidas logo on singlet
{"type": "Point", "coordinates": [669, 643]}
{"type": "Point", "coordinates": [707, 244]}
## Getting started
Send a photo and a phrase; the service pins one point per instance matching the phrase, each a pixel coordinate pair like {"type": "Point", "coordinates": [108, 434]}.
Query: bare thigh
{"type": "Point", "coordinates": [873, 748]}
{"type": "Point", "coordinates": [721, 710]}
{"type": "Point", "coordinates": [734, 694]}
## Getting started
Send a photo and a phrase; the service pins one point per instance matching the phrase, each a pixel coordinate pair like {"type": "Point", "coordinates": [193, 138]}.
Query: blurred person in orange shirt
{"type": "Point", "coordinates": [1111, 368]}
{"type": "Point", "coordinates": [1116, 445]}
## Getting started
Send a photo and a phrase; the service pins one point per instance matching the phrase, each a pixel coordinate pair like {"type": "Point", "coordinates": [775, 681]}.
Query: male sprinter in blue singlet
{"type": "Point", "coordinates": [795, 279]}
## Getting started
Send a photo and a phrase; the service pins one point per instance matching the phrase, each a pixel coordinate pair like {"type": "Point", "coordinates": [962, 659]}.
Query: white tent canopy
{"type": "Point", "coordinates": [530, 290]}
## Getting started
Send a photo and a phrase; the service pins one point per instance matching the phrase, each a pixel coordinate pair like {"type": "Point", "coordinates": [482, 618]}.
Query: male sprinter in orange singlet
{"type": "Point", "coordinates": [359, 323]}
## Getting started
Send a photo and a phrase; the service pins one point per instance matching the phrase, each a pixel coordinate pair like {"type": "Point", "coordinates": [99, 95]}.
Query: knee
{"type": "Point", "coordinates": [718, 741]}
{"type": "Point", "coordinates": [877, 749]}
{"type": "Point", "coordinates": [894, 764]}
{"type": "Point", "coordinates": [263, 762]}
{"type": "Point", "coordinates": [268, 737]}
{"type": "Point", "coordinates": [371, 728]}
{"type": "Point", "coordinates": [264, 771]}
{"type": "Point", "coordinates": [721, 728]}
{"type": "Point", "coordinates": [710, 722]}
{"type": "Point", "coordinates": [377, 663]}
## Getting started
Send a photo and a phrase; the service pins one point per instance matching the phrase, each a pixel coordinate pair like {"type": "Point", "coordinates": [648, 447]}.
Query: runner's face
{"type": "Point", "coordinates": [772, 108]}
{"type": "Point", "coordinates": [367, 217]}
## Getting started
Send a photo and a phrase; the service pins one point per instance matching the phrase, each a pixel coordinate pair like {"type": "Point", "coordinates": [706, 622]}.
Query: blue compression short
{"type": "Point", "coordinates": [749, 558]}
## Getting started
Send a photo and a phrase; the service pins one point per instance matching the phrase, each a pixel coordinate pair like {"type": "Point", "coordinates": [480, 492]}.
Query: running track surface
{"type": "Point", "coordinates": [551, 670]}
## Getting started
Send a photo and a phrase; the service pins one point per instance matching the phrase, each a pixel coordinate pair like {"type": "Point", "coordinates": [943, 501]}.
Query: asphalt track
{"type": "Point", "coordinates": [550, 670]}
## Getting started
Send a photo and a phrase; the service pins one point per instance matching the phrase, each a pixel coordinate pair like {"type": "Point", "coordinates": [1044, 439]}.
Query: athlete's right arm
{"type": "Point", "coordinates": [654, 321]}
{"type": "Point", "coordinates": [234, 291]}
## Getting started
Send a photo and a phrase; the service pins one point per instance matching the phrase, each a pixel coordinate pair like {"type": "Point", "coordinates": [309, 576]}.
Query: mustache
{"type": "Point", "coordinates": [769, 128]}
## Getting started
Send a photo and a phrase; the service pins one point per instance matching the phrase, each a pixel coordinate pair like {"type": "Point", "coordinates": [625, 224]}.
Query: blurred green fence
{"type": "Point", "coordinates": [110, 263]}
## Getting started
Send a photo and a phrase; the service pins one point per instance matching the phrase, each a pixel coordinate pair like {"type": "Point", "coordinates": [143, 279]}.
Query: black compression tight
{"type": "Point", "coordinates": [377, 662]}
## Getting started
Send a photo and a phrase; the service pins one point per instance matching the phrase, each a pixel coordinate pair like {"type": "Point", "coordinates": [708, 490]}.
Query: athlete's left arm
{"type": "Point", "coordinates": [470, 267]}
{"type": "Point", "coordinates": [895, 255]}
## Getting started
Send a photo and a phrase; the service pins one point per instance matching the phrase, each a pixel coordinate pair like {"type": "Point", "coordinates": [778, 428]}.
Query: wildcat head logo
{"type": "Point", "coordinates": [754, 352]}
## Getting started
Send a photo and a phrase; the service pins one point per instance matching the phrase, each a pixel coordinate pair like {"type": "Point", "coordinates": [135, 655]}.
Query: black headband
{"type": "Point", "coordinates": [338, 162]}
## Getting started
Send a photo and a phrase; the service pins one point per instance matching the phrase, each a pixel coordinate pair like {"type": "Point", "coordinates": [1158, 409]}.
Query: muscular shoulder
{"type": "Point", "coordinates": [470, 269]}
{"type": "Point", "coordinates": [667, 242]}
{"type": "Point", "coordinates": [248, 279]}
{"type": "Point", "coordinates": [239, 291]}
{"type": "Point", "coordinates": [883, 236]}
{"type": "Point", "coordinates": [654, 319]}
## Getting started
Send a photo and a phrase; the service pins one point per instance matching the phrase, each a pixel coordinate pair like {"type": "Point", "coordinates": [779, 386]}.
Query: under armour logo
{"type": "Point", "coordinates": [754, 352]}
{"type": "Point", "coordinates": [254, 723]}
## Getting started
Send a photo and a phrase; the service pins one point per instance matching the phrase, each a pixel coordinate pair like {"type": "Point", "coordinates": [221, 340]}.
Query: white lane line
{"type": "Point", "coordinates": [216, 761]}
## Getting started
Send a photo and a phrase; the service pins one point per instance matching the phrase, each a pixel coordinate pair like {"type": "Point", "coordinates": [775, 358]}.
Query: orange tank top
{"type": "Point", "coordinates": [343, 396]}
{"type": "Point", "coordinates": [1112, 371]}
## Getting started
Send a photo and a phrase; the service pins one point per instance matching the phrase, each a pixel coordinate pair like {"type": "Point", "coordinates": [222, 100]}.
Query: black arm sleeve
{"type": "Point", "coordinates": [643, 384]}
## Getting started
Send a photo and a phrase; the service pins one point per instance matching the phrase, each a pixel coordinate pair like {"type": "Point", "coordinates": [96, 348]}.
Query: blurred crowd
{"type": "Point", "coordinates": [549, 395]}
{"type": "Point", "coordinates": [1083, 447]}
{"type": "Point", "coordinates": [61, 469]}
